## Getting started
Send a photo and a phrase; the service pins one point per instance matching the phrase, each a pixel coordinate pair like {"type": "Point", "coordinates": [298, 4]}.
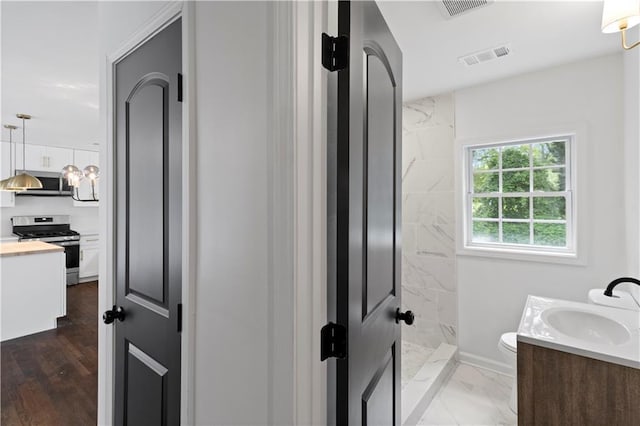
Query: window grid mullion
{"type": "Point", "coordinates": [500, 191]}
{"type": "Point", "coordinates": [522, 194]}
{"type": "Point", "coordinates": [531, 193]}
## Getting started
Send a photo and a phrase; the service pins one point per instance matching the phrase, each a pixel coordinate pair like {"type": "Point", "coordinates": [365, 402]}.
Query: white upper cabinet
{"type": "Point", "coordinates": [7, 199]}
{"type": "Point", "coordinates": [83, 159]}
{"type": "Point", "coordinates": [44, 158]}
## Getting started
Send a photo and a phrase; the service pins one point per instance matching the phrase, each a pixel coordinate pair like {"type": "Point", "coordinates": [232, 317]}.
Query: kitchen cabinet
{"type": "Point", "coordinates": [82, 159]}
{"type": "Point", "coordinates": [34, 288]}
{"type": "Point", "coordinates": [44, 158]}
{"type": "Point", "coordinates": [89, 257]}
{"type": "Point", "coordinates": [7, 199]}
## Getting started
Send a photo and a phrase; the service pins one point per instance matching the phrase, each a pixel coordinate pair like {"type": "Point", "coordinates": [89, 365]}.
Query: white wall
{"type": "Point", "coordinates": [232, 271]}
{"type": "Point", "coordinates": [492, 292]}
{"type": "Point", "coordinates": [632, 157]}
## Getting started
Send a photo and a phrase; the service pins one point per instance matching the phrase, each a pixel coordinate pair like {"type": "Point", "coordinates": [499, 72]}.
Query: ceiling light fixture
{"type": "Point", "coordinates": [620, 16]}
{"type": "Point", "coordinates": [24, 180]}
{"type": "Point", "coordinates": [12, 158]}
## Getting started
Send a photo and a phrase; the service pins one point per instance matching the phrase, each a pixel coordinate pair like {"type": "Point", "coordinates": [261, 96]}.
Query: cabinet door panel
{"type": "Point", "coordinates": [89, 262]}
{"type": "Point", "coordinates": [34, 158]}
{"type": "Point", "coordinates": [44, 158]}
{"type": "Point", "coordinates": [56, 158]}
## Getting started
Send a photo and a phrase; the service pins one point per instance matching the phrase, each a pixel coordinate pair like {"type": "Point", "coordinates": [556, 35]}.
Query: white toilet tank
{"type": "Point", "coordinates": [621, 299]}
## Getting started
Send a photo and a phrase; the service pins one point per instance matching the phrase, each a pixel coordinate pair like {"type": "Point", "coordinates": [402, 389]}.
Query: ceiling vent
{"type": "Point", "coordinates": [486, 55]}
{"type": "Point", "coordinates": [452, 8]}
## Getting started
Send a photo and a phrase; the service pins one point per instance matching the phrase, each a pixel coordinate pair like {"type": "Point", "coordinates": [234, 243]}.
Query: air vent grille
{"type": "Point", "coordinates": [453, 8]}
{"type": "Point", "coordinates": [486, 55]}
{"type": "Point", "coordinates": [501, 51]}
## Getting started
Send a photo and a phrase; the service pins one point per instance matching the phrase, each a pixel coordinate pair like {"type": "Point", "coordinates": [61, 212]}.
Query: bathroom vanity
{"type": "Point", "coordinates": [578, 364]}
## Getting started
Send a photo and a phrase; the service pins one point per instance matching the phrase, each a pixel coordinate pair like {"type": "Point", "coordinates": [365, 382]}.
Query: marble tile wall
{"type": "Point", "coordinates": [428, 229]}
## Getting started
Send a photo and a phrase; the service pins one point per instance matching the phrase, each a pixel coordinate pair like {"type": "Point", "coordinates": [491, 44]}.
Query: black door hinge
{"type": "Point", "coordinates": [333, 341]}
{"type": "Point", "coordinates": [179, 87]}
{"type": "Point", "coordinates": [179, 317]}
{"type": "Point", "coordinates": [335, 52]}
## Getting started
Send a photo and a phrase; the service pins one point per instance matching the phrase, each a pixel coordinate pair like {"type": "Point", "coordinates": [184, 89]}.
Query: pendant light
{"type": "Point", "coordinates": [12, 158]}
{"type": "Point", "coordinates": [24, 180]}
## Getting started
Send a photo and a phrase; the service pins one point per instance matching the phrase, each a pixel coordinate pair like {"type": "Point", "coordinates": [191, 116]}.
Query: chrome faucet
{"type": "Point", "coordinates": [612, 284]}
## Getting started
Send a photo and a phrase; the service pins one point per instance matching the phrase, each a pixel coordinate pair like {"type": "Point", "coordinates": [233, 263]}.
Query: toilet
{"type": "Point", "coordinates": [508, 346]}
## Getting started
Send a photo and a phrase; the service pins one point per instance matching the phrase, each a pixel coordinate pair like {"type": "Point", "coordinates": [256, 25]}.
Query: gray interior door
{"type": "Point", "coordinates": [367, 235]}
{"type": "Point", "coordinates": [148, 232]}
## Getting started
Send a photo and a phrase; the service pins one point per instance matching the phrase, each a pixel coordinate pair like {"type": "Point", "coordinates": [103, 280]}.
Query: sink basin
{"type": "Point", "coordinates": [586, 326]}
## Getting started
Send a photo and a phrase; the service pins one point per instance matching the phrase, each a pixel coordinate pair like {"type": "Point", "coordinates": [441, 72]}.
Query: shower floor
{"type": "Point", "coordinates": [424, 370]}
{"type": "Point", "coordinates": [414, 356]}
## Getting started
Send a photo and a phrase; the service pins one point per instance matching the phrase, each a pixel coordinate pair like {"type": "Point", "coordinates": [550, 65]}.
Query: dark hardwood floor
{"type": "Point", "coordinates": [51, 378]}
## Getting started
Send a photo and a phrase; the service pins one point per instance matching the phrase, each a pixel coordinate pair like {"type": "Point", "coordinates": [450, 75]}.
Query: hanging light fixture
{"type": "Point", "coordinates": [73, 175]}
{"type": "Point", "coordinates": [620, 16]}
{"type": "Point", "coordinates": [24, 180]}
{"type": "Point", "coordinates": [12, 158]}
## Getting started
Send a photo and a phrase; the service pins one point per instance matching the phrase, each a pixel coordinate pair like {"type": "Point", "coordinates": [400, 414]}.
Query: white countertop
{"type": "Point", "coordinates": [536, 331]}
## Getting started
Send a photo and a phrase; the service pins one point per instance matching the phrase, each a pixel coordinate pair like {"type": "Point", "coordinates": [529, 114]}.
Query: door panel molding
{"type": "Point", "coordinates": [133, 297]}
{"type": "Point", "coordinates": [159, 369]}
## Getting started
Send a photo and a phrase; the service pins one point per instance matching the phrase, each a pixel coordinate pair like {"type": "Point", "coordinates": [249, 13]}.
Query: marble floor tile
{"type": "Point", "coordinates": [472, 396]}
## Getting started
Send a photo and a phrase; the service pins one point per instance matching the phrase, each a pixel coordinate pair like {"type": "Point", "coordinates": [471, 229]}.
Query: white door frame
{"type": "Point", "coordinates": [165, 16]}
{"type": "Point", "coordinates": [310, 192]}
{"type": "Point", "coordinates": [298, 163]}
{"type": "Point", "coordinates": [299, 210]}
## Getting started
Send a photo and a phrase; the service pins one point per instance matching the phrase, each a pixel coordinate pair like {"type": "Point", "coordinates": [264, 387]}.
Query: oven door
{"type": "Point", "coordinates": [72, 256]}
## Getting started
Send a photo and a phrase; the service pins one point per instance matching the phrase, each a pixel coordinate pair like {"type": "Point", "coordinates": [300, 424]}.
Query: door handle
{"type": "Point", "coordinates": [117, 313]}
{"type": "Point", "coordinates": [407, 317]}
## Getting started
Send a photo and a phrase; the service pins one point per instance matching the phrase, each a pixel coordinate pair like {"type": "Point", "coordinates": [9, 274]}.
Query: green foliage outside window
{"type": "Point", "coordinates": [492, 164]}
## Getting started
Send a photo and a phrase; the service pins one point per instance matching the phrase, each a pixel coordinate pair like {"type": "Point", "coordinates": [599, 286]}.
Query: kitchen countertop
{"type": "Point", "coordinates": [535, 330]}
{"type": "Point", "coordinates": [28, 247]}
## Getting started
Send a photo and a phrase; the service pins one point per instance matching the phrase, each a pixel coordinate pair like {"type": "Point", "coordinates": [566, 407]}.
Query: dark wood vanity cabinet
{"type": "Point", "coordinates": [559, 388]}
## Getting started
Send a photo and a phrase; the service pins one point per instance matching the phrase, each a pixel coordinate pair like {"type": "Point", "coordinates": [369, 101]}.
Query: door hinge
{"type": "Point", "coordinates": [179, 317]}
{"type": "Point", "coordinates": [335, 52]}
{"type": "Point", "coordinates": [333, 341]}
{"type": "Point", "coordinates": [179, 87]}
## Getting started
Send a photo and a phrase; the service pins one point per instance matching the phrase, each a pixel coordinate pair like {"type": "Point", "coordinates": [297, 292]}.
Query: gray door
{"type": "Point", "coordinates": [368, 157]}
{"type": "Point", "coordinates": [148, 232]}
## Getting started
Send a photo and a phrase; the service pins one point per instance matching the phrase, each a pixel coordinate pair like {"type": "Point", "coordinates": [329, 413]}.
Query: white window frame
{"type": "Point", "coordinates": [574, 252]}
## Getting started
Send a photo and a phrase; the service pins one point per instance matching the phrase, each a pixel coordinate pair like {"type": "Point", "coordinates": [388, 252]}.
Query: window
{"type": "Point", "coordinates": [519, 196]}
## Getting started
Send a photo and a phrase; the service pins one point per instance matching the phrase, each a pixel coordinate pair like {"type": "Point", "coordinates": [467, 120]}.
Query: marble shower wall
{"type": "Point", "coordinates": [428, 228]}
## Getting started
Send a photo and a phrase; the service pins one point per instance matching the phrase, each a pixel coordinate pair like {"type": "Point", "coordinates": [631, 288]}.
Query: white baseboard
{"type": "Point", "coordinates": [486, 363]}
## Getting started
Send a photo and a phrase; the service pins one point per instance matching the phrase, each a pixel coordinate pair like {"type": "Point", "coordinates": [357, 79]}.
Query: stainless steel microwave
{"type": "Point", "coordinates": [53, 185]}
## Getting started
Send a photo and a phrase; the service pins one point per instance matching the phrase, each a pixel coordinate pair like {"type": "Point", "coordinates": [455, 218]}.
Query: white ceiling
{"type": "Point", "coordinates": [50, 70]}
{"type": "Point", "coordinates": [50, 60]}
{"type": "Point", "coordinates": [541, 34]}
